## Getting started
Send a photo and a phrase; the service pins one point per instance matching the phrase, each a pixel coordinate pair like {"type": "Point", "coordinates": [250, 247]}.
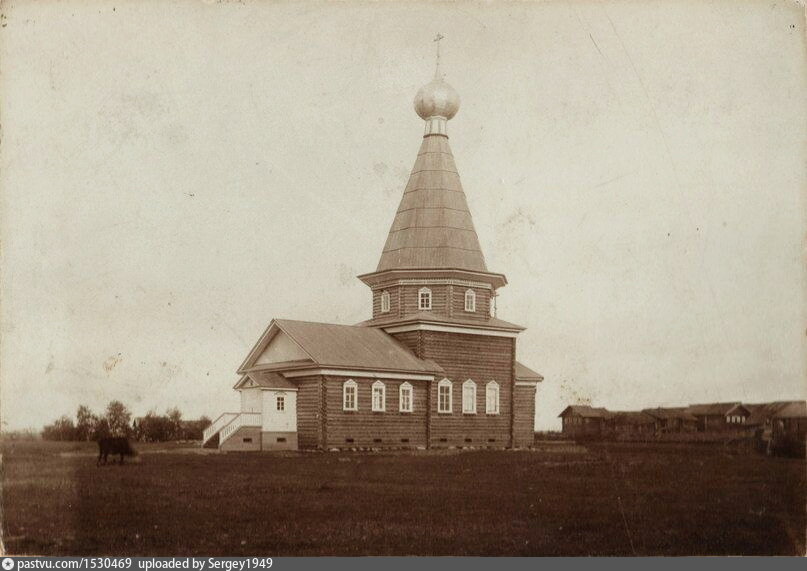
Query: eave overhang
{"type": "Point", "coordinates": [377, 278]}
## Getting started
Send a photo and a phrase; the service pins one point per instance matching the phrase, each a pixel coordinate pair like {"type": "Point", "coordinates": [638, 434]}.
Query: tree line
{"type": "Point", "coordinates": [117, 420]}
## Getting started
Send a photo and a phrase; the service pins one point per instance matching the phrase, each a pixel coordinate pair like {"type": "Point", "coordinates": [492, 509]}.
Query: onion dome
{"type": "Point", "coordinates": [437, 99]}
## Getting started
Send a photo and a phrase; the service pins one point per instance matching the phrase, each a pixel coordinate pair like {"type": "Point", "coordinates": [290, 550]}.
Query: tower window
{"type": "Point", "coordinates": [405, 397]}
{"type": "Point", "coordinates": [492, 398]}
{"type": "Point", "coordinates": [470, 300]}
{"type": "Point", "coordinates": [384, 301]}
{"type": "Point", "coordinates": [444, 396]}
{"type": "Point", "coordinates": [425, 298]}
{"type": "Point", "coordinates": [379, 397]}
{"type": "Point", "coordinates": [469, 397]}
{"type": "Point", "coordinates": [349, 396]}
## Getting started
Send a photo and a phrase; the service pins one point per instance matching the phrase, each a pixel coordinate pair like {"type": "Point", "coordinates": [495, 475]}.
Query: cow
{"type": "Point", "coordinates": [114, 445]}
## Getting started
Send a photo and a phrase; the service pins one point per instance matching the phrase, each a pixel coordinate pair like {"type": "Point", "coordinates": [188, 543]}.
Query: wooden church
{"type": "Point", "coordinates": [432, 368]}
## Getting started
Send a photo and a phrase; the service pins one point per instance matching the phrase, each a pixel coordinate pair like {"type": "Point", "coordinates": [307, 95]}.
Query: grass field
{"type": "Point", "coordinates": [610, 500]}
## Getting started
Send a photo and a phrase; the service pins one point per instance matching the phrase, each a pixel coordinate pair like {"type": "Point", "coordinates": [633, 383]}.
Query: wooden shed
{"type": "Point", "coordinates": [584, 421]}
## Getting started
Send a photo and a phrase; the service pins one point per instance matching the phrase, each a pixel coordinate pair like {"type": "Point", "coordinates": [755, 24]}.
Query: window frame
{"type": "Point", "coordinates": [492, 388]}
{"type": "Point", "coordinates": [378, 385]}
{"type": "Point", "coordinates": [350, 384]}
{"type": "Point", "coordinates": [470, 300]}
{"type": "Point", "coordinates": [468, 404]}
{"type": "Point", "coordinates": [428, 293]}
{"type": "Point", "coordinates": [385, 302]}
{"type": "Point", "coordinates": [445, 383]}
{"type": "Point", "coordinates": [406, 386]}
{"type": "Point", "coordinates": [280, 403]}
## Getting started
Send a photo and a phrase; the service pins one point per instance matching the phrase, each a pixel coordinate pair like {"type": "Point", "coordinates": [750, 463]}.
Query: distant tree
{"type": "Point", "coordinates": [85, 423]}
{"type": "Point", "coordinates": [193, 429]}
{"type": "Point", "coordinates": [153, 428]}
{"type": "Point", "coordinates": [101, 428]}
{"type": "Point", "coordinates": [174, 418]}
{"type": "Point", "coordinates": [118, 419]}
{"type": "Point", "coordinates": [61, 429]}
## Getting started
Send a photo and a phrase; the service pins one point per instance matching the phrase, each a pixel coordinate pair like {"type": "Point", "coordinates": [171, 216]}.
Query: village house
{"type": "Point", "coordinates": [631, 423]}
{"type": "Point", "coordinates": [738, 415]}
{"type": "Point", "coordinates": [790, 427]}
{"type": "Point", "coordinates": [581, 421]}
{"type": "Point", "coordinates": [433, 367]}
{"type": "Point", "coordinates": [672, 419]}
{"type": "Point", "coordinates": [757, 417]}
{"type": "Point", "coordinates": [711, 417]}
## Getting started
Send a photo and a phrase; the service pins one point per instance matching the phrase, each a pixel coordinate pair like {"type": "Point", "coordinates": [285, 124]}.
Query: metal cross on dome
{"type": "Point", "coordinates": [437, 39]}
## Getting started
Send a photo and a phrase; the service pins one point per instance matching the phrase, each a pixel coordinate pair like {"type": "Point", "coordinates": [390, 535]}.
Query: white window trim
{"type": "Point", "coordinates": [406, 387]}
{"type": "Point", "coordinates": [468, 404]}
{"type": "Point", "coordinates": [376, 386]}
{"type": "Point", "coordinates": [421, 306]}
{"type": "Point", "coordinates": [385, 302]}
{"type": "Point", "coordinates": [350, 383]}
{"type": "Point", "coordinates": [492, 388]}
{"type": "Point", "coordinates": [450, 409]}
{"type": "Point", "coordinates": [280, 403]}
{"type": "Point", "coordinates": [470, 300]}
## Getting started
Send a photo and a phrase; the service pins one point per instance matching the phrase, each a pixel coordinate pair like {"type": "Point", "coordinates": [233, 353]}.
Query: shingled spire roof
{"type": "Point", "coordinates": [433, 226]}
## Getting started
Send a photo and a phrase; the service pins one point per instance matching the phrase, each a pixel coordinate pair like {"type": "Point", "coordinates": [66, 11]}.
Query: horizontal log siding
{"type": "Point", "coordinates": [309, 412]}
{"type": "Point", "coordinates": [447, 301]}
{"type": "Point", "coordinates": [524, 415]}
{"type": "Point", "coordinates": [482, 312]}
{"type": "Point", "coordinates": [482, 359]}
{"type": "Point", "coordinates": [365, 426]}
{"type": "Point", "coordinates": [409, 339]}
{"type": "Point", "coordinates": [394, 303]}
{"type": "Point", "coordinates": [409, 296]}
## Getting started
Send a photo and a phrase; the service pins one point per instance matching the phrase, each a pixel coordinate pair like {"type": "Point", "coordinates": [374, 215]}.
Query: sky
{"type": "Point", "coordinates": [173, 175]}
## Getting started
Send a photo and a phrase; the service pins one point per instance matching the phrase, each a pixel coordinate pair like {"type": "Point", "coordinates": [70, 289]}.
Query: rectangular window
{"type": "Point", "coordinates": [385, 302]}
{"type": "Point", "coordinates": [469, 398]}
{"type": "Point", "coordinates": [349, 401]}
{"type": "Point", "coordinates": [470, 300]}
{"type": "Point", "coordinates": [425, 299]}
{"type": "Point", "coordinates": [379, 397]}
{"type": "Point", "coordinates": [444, 398]}
{"type": "Point", "coordinates": [281, 403]}
{"type": "Point", "coordinates": [492, 398]}
{"type": "Point", "coordinates": [405, 398]}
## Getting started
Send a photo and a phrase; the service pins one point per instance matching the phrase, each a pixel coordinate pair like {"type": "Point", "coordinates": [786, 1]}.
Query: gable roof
{"type": "Point", "coordinates": [793, 409]}
{"type": "Point", "coordinates": [433, 227]}
{"type": "Point", "coordinates": [343, 346]}
{"type": "Point", "coordinates": [524, 373]}
{"type": "Point", "coordinates": [586, 411]}
{"type": "Point", "coordinates": [717, 408]}
{"type": "Point", "coordinates": [739, 410]}
{"type": "Point", "coordinates": [266, 379]}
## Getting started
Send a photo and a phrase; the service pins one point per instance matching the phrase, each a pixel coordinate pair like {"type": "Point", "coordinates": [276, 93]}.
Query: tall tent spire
{"type": "Point", "coordinates": [433, 226]}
